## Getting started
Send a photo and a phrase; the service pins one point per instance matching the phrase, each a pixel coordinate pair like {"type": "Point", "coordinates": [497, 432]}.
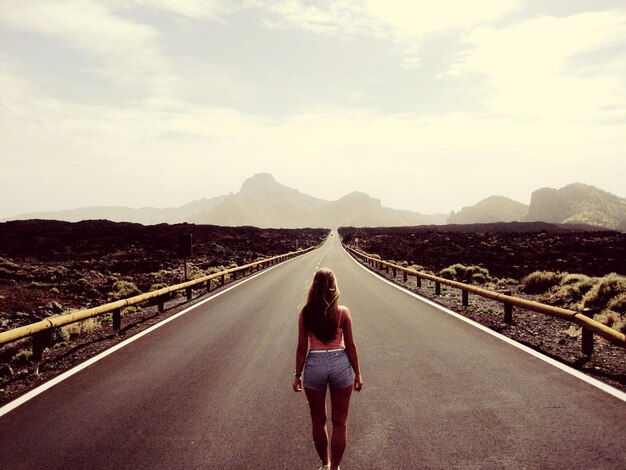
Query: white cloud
{"type": "Point", "coordinates": [416, 19]}
{"type": "Point", "coordinates": [123, 51]}
{"type": "Point", "coordinates": [408, 24]}
{"type": "Point", "coordinates": [197, 9]}
{"type": "Point", "coordinates": [531, 68]}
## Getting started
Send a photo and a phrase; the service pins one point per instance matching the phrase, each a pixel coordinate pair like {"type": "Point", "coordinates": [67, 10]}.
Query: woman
{"type": "Point", "coordinates": [325, 331]}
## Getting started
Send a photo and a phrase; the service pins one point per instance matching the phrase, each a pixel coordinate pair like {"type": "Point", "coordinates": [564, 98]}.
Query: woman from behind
{"type": "Point", "coordinates": [328, 356]}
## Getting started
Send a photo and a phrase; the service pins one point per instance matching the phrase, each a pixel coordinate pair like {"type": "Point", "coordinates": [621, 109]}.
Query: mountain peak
{"type": "Point", "coordinates": [264, 185]}
{"type": "Point", "coordinates": [356, 195]}
{"type": "Point", "coordinates": [260, 180]}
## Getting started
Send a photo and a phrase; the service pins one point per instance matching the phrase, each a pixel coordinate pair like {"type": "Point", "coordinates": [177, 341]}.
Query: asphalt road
{"type": "Point", "coordinates": [212, 389]}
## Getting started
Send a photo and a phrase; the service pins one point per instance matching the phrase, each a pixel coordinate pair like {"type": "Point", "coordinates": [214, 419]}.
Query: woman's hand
{"type": "Point", "coordinates": [297, 384]}
{"type": "Point", "coordinates": [358, 383]}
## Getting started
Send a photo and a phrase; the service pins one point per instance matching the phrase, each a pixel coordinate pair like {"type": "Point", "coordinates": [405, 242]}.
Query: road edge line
{"type": "Point", "coordinates": [83, 365]}
{"type": "Point", "coordinates": [576, 373]}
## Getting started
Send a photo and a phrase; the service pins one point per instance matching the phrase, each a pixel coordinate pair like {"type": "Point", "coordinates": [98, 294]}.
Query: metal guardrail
{"type": "Point", "coordinates": [589, 325]}
{"type": "Point", "coordinates": [41, 329]}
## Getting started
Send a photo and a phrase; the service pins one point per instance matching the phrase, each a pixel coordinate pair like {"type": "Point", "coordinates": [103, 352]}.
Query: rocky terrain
{"type": "Point", "coordinates": [48, 267]}
{"type": "Point", "coordinates": [511, 250]}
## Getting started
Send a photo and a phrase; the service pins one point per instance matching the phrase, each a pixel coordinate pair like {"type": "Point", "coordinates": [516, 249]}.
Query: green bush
{"type": "Point", "coordinates": [124, 289]}
{"type": "Point", "coordinates": [539, 282]}
{"type": "Point", "coordinates": [603, 292]}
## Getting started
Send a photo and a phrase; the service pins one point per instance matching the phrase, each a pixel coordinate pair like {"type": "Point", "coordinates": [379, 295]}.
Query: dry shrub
{"type": "Point", "coordinates": [574, 278]}
{"type": "Point", "coordinates": [124, 289]}
{"type": "Point", "coordinates": [618, 303]}
{"type": "Point", "coordinates": [604, 291]}
{"type": "Point", "coordinates": [539, 282]}
{"type": "Point", "coordinates": [8, 264]}
{"type": "Point", "coordinates": [612, 319]}
{"type": "Point", "coordinates": [570, 291]}
{"type": "Point", "coordinates": [157, 286]}
{"type": "Point", "coordinates": [466, 274]}
{"type": "Point", "coordinates": [82, 327]}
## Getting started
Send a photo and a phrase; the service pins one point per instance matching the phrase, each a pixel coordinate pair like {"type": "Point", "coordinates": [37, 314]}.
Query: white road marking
{"type": "Point", "coordinates": [580, 375]}
{"type": "Point", "coordinates": [60, 378]}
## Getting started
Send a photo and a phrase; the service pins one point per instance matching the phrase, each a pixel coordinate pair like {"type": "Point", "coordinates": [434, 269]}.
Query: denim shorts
{"type": "Point", "coordinates": [328, 367]}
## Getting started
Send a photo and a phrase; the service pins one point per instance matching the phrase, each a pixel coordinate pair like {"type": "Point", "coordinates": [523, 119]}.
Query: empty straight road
{"type": "Point", "coordinates": [212, 389]}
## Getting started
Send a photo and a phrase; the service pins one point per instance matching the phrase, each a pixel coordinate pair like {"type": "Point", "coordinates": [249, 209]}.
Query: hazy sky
{"type": "Point", "coordinates": [426, 105]}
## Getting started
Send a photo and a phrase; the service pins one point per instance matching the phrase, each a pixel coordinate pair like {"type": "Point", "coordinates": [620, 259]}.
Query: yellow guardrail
{"type": "Point", "coordinates": [42, 326]}
{"type": "Point", "coordinates": [589, 325]}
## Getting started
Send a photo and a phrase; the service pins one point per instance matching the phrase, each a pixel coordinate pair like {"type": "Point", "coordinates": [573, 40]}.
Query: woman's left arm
{"type": "Point", "coordinates": [301, 351]}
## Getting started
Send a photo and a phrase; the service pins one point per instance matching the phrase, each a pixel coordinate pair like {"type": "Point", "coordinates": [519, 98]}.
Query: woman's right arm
{"type": "Point", "coordinates": [301, 350]}
{"type": "Point", "coordinates": [351, 350]}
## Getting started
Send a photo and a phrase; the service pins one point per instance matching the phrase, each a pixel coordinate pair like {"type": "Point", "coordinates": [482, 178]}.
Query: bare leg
{"type": "Point", "coordinates": [340, 402]}
{"type": "Point", "coordinates": [317, 405]}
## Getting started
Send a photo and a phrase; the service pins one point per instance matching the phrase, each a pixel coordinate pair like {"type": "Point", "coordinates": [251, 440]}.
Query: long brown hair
{"type": "Point", "coordinates": [320, 314]}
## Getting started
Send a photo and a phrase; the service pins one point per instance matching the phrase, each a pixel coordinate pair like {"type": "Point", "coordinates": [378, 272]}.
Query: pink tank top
{"type": "Point", "coordinates": [336, 343]}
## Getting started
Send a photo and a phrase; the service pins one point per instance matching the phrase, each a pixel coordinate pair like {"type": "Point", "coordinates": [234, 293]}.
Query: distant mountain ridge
{"type": "Point", "coordinates": [575, 203]}
{"type": "Point", "coordinates": [261, 202]}
{"type": "Point", "coordinates": [143, 215]}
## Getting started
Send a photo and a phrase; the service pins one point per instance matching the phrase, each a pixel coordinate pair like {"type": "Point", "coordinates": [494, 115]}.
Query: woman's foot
{"type": "Point", "coordinates": [325, 467]}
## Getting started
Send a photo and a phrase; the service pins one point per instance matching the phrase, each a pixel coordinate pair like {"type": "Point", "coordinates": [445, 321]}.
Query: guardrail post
{"type": "Point", "coordinates": [587, 335]}
{"type": "Point", "coordinates": [508, 309]}
{"type": "Point", "coordinates": [188, 292]}
{"type": "Point", "coordinates": [40, 341]}
{"type": "Point", "coordinates": [208, 285]}
{"type": "Point", "coordinates": [117, 319]}
{"type": "Point", "coordinates": [393, 270]}
{"type": "Point", "coordinates": [437, 288]}
{"type": "Point", "coordinates": [404, 275]}
{"type": "Point", "coordinates": [418, 281]}
{"type": "Point", "coordinates": [464, 298]}
{"type": "Point", "coordinates": [223, 279]}
{"type": "Point", "coordinates": [161, 301]}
